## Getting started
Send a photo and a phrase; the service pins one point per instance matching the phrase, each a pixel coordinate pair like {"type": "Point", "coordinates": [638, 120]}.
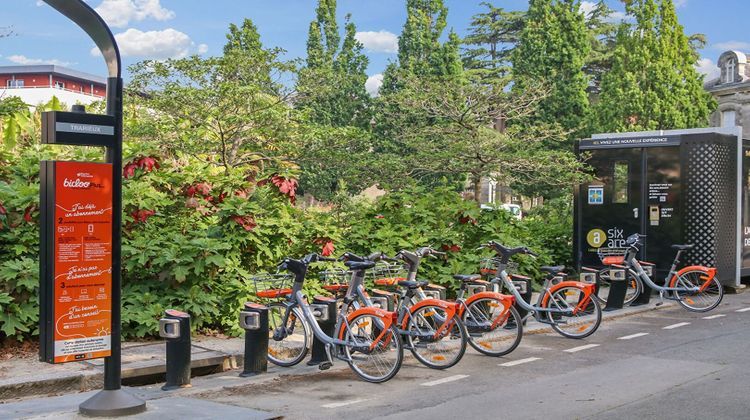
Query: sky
{"type": "Point", "coordinates": [160, 29]}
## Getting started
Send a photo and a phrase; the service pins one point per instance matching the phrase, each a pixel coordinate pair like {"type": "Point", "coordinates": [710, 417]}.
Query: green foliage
{"type": "Point", "coordinates": [653, 84]}
{"type": "Point", "coordinates": [493, 34]}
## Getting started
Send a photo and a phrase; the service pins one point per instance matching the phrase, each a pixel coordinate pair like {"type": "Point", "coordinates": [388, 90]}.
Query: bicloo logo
{"type": "Point", "coordinates": [67, 183]}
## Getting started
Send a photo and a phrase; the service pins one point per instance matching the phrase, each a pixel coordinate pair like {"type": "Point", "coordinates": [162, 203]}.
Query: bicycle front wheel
{"type": "Point", "coordinates": [373, 357]}
{"type": "Point", "coordinates": [436, 340]}
{"type": "Point", "coordinates": [702, 301]}
{"type": "Point", "coordinates": [581, 324]}
{"type": "Point", "coordinates": [287, 344]}
{"type": "Point", "coordinates": [635, 287]}
{"type": "Point", "coordinates": [490, 334]}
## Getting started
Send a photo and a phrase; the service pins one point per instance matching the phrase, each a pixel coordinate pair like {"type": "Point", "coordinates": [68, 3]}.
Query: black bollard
{"type": "Point", "coordinates": [324, 309]}
{"type": "Point", "coordinates": [175, 328]}
{"type": "Point", "coordinates": [254, 320]}
{"type": "Point", "coordinates": [645, 295]}
{"type": "Point", "coordinates": [618, 287]}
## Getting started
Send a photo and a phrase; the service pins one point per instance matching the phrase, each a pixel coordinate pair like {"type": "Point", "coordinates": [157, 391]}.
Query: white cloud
{"type": "Point", "coordinates": [40, 3]}
{"type": "Point", "coordinates": [202, 49]}
{"type": "Point", "coordinates": [680, 3]}
{"type": "Point", "coordinates": [118, 13]}
{"type": "Point", "coordinates": [26, 61]}
{"type": "Point", "coordinates": [158, 45]}
{"type": "Point", "coordinates": [732, 45]}
{"type": "Point", "coordinates": [380, 41]}
{"type": "Point", "coordinates": [708, 67]}
{"type": "Point", "coordinates": [373, 84]}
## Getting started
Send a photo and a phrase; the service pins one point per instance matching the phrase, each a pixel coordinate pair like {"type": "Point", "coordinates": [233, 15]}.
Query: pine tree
{"type": "Point", "coordinates": [420, 52]}
{"type": "Point", "coordinates": [553, 48]}
{"type": "Point", "coordinates": [493, 35]}
{"type": "Point", "coordinates": [653, 84]}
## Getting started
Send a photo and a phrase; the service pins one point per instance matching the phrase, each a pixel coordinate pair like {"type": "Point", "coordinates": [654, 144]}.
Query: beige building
{"type": "Point", "coordinates": [731, 90]}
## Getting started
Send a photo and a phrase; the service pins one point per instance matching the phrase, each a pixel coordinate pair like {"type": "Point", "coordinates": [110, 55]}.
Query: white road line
{"type": "Point", "coordinates": [714, 316]}
{"type": "Point", "coordinates": [631, 336]}
{"type": "Point", "coordinates": [445, 380]}
{"type": "Point", "coordinates": [343, 403]}
{"type": "Point", "coordinates": [520, 361]}
{"type": "Point", "coordinates": [579, 348]}
{"type": "Point", "coordinates": [673, 326]}
{"type": "Point", "coordinates": [743, 310]}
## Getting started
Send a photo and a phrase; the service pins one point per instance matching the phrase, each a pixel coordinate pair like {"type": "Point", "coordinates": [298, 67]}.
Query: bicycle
{"type": "Point", "coordinates": [432, 328]}
{"type": "Point", "coordinates": [569, 307]}
{"type": "Point", "coordinates": [696, 288]}
{"type": "Point", "coordinates": [614, 256]}
{"type": "Point", "coordinates": [374, 353]}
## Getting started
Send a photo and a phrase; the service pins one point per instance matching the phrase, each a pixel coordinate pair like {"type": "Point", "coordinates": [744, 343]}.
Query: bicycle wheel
{"type": "Point", "coordinates": [373, 364]}
{"type": "Point", "coordinates": [579, 325]}
{"type": "Point", "coordinates": [487, 338]}
{"type": "Point", "coordinates": [635, 287]}
{"type": "Point", "coordinates": [436, 340]}
{"type": "Point", "coordinates": [703, 301]}
{"type": "Point", "coordinates": [290, 348]}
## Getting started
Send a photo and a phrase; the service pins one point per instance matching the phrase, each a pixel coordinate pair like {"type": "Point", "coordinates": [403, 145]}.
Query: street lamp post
{"type": "Point", "coordinates": [112, 400]}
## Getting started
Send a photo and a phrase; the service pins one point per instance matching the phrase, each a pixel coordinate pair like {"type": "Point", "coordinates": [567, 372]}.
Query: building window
{"type": "Point", "coordinates": [15, 83]}
{"type": "Point", "coordinates": [728, 118]}
{"type": "Point", "coordinates": [59, 85]}
{"type": "Point", "coordinates": [620, 181]}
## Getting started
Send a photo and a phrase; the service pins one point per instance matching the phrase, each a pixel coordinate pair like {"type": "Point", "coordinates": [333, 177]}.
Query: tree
{"type": "Point", "coordinates": [602, 32]}
{"type": "Point", "coordinates": [553, 48]}
{"type": "Point", "coordinates": [230, 111]}
{"type": "Point", "coordinates": [493, 34]}
{"type": "Point", "coordinates": [420, 52]}
{"type": "Point", "coordinates": [653, 84]}
{"type": "Point", "coordinates": [447, 129]}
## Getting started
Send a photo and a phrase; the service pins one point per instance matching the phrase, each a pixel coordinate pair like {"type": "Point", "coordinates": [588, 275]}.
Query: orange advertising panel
{"type": "Point", "coordinates": [82, 260]}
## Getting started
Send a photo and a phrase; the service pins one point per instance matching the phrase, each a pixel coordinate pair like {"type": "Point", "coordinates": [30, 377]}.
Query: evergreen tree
{"type": "Point", "coordinates": [653, 83]}
{"type": "Point", "coordinates": [553, 48]}
{"type": "Point", "coordinates": [493, 34]}
{"type": "Point", "coordinates": [420, 52]}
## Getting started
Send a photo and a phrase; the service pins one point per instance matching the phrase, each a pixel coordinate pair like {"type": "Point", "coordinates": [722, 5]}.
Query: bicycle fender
{"type": "Point", "coordinates": [450, 309]}
{"type": "Point", "coordinates": [386, 317]}
{"type": "Point", "coordinates": [587, 289]}
{"type": "Point", "coordinates": [710, 274]}
{"type": "Point", "coordinates": [507, 300]}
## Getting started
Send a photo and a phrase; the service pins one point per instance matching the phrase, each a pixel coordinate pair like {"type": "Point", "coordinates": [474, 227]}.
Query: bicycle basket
{"type": "Point", "coordinates": [610, 256]}
{"type": "Point", "coordinates": [270, 286]}
{"type": "Point", "coordinates": [336, 280]}
{"type": "Point", "coordinates": [387, 274]}
{"type": "Point", "coordinates": [488, 266]}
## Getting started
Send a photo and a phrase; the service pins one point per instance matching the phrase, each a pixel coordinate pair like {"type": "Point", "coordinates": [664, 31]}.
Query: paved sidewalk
{"type": "Point", "coordinates": [144, 362]}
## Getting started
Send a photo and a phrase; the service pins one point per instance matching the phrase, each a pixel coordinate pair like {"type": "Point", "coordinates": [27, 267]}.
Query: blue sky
{"type": "Point", "coordinates": [172, 28]}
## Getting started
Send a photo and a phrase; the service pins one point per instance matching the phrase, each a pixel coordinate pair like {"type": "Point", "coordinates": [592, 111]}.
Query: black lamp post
{"type": "Point", "coordinates": [112, 400]}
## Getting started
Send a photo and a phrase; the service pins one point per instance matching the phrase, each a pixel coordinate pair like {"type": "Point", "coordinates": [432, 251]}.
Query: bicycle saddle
{"type": "Point", "coordinates": [682, 247]}
{"type": "Point", "coordinates": [466, 278]}
{"type": "Point", "coordinates": [552, 269]}
{"type": "Point", "coordinates": [412, 284]}
{"type": "Point", "coordinates": [359, 265]}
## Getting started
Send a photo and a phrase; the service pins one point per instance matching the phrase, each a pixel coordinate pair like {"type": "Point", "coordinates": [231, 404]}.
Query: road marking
{"type": "Point", "coordinates": [631, 336]}
{"type": "Point", "coordinates": [743, 310]}
{"type": "Point", "coordinates": [714, 316]}
{"type": "Point", "coordinates": [520, 361]}
{"type": "Point", "coordinates": [343, 403]}
{"type": "Point", "coordinates": [579, 348]}
{"type": "Point", "coordinates": [445, 380]}
{"type": "Point", "coordinates": [673, 326]}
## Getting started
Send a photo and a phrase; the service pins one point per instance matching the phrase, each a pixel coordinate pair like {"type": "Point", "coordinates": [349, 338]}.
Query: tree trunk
{"type": "Point", "coordinates": [477, 180]}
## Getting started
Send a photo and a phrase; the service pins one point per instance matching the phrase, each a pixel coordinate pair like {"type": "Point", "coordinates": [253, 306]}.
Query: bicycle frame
{"type": "Point", "coordinates": [635, 269]}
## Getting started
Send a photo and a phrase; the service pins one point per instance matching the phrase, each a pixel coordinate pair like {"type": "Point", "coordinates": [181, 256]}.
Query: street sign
{"type": "Point", "coordinates": [77, 128]}
{"type": "Point", "coordinates": [76, 273]}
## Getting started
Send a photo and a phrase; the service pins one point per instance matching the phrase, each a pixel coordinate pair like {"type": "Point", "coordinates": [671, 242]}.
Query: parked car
{"type": "Point", "coordinates": [514, 209]}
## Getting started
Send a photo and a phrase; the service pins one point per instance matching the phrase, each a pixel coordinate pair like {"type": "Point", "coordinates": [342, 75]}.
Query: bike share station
{"type": "Point", "coordinates": [676, 187]}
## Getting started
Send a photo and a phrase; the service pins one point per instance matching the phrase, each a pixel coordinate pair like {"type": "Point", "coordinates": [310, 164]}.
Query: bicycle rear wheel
{"type": "Point", "coordinates": [635, 287]}
{"type": "Point", "coordinates": [290, 347]}
{"type": "Point", "coordinates": [373, 357]}
{"type": "Point", "coordinates": [703, 301]}
{"type": "Point", "coordinates": [579, 325]}
{"type": "Point", "coordinates": [435, 347]}
{"type": "Point", "coordinates": [486, 334]}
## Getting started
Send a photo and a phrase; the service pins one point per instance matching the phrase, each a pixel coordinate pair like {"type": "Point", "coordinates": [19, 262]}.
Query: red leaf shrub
{"type": "Point", "coordinates": [145, 163]}
{"type": "Point", "coordinates": [140, 216]}
{"type": "Point", "coordinates": [286, 186]}
{"type": "Point", "coordinates": [247, 222]}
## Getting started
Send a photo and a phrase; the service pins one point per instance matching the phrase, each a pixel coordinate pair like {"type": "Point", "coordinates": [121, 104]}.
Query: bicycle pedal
{"type": "Point", "coordinates": [325, 365]}
{"type": "Point", "coordinates": [659, 303]}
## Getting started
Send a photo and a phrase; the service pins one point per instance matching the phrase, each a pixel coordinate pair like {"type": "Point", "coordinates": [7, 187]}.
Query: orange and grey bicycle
{"type": "Point", "coordinates": [569, 307]}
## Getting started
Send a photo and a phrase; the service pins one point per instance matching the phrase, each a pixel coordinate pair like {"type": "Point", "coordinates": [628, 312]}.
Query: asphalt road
{"type": "Point", "coordinates": [662, 364]}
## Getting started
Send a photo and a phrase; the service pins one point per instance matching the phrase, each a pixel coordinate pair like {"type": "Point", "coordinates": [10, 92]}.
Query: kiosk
{"type": "Point", "coordinates": [676, 187]}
